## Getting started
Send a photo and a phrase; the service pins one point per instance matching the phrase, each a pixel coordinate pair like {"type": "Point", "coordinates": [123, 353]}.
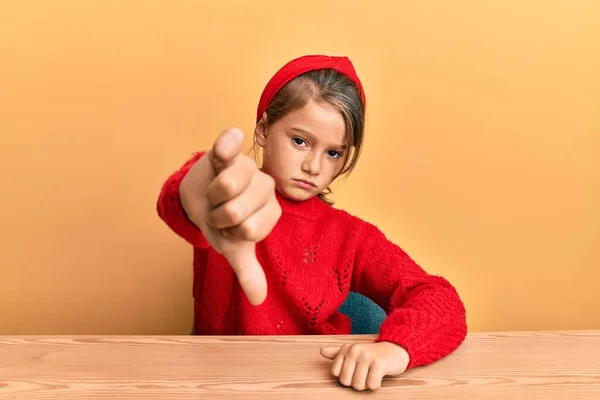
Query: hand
{"type": "Point", "coordinates": [234, 205]}
{"type": "Point", "coordinates": [363, 365]}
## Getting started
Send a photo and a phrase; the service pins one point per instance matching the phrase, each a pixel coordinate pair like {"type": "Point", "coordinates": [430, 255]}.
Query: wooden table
{"type": "Point", "coordinates": [517, 365]}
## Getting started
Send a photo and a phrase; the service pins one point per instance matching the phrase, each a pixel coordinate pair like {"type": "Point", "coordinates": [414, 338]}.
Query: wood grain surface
{"type": "Point", "coordinates": [503, 365]}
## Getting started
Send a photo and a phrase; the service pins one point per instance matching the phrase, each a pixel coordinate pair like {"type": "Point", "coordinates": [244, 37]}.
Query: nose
{"type": "Point", "coordinates": [312, 164]}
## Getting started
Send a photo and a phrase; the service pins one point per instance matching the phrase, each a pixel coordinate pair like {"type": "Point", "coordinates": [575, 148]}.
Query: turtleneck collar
{"type": "Point", "coordinates": [307, 209]}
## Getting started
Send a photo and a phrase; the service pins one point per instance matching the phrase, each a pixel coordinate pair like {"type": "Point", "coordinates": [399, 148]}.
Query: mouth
{"type": "Point", "coordinates": [304, 183]}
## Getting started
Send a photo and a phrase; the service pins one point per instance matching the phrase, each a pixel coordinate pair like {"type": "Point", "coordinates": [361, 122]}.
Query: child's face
{"type": "Point", "coordinates": [304, 151]}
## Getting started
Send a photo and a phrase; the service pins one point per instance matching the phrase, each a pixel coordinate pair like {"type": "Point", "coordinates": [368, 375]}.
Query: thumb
{"type": "Point", "coordinates": [330, 351]}
{"type": "Point", "coordinates": [249, 272]}
{"type": "Point", "coordinates": [226, 148]}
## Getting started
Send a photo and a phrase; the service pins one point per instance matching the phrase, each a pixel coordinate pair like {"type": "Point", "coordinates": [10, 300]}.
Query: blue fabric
{"type": "Point", "coordinates": [365, 314]}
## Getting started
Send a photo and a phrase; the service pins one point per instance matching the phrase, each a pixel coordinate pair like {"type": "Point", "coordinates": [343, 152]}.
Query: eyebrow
{"type": "Point", "coordinates": [313, 137]}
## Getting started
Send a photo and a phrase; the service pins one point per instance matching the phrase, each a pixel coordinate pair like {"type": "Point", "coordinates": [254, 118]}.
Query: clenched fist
{"type": "Point", "coordinates": [234, 205]}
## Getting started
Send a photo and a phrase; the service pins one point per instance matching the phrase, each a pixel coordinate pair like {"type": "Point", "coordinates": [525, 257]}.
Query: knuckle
{"type": "Point", "coordinates": [234, 214]}
{"type": "Point", "coordinates": [247, 165]}
{"type": "Point", "coordinates": [229, 187]}
{"type": "Point", "coordinates": [346, 349]}
{"type": "Point", "coordinates": [367, 357]}
{"type": "Point", "coordinates": [248, 230]}
{"type": "Point", "coordinates": [356, 351]}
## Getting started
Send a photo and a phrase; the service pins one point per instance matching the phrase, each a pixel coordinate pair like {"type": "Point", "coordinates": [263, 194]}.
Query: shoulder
{"type": "Point", "coordinates": [343, 217]}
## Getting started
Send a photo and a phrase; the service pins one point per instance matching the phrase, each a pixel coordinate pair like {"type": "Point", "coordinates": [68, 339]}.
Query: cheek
{"type": "Point", "coordinates": [336, 166]}
{"type": "Point", "coordinates": [278, 155]}
{"type": "Point", "coordinates": [286, 151]}
{"type": "Point", "coordinates": [272, 148]}
{"type": "Point", "coordinates": [277, 144]}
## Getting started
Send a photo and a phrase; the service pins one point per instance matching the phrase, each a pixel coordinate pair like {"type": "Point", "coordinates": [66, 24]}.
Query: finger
{"type": "Point", "coordinates": [330, 351]}
{"type": "Point", "coordinates": [258, 225]}
{"type": "Point", "coordinates": [249, 272]}
{"type": "Point", "coordinates": [359, 380]}
{"type": "Point", "coordinates": [231, 181]}
{"type": "Point", "coordinates": [227, 146]}
{"type": "Point", "coordinates": [236, 210]}
{"type": "Point", "coordinates": [347, 370]}
{"type": "Point", "coordinates": [336, 365]}
{"type": "Point", "coordinates": [375, 376]}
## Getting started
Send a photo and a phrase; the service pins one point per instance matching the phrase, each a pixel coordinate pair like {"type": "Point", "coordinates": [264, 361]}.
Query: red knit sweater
{"type": "Point", "coordinates": [312, 258]}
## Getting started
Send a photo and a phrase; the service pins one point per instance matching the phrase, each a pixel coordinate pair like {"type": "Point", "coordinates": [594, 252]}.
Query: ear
{"type": "Point", "coordinates": [260, 131]}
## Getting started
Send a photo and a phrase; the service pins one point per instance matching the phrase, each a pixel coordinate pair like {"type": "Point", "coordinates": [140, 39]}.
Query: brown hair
{"type": "Point", "coordinates": [331, 87]}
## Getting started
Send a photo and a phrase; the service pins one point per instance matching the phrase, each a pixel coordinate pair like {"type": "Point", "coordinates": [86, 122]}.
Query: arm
{"type": "Point", "coordinates": [425, 314]}
{"type": "Point", "coordinates": [171, 211]}
{"type": "Point", "coordinates": [220, 199]}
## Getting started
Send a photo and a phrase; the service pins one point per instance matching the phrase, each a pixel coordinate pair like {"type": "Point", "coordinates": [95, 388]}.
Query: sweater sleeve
{"type": "Point", "coordinates": [425, 313]}
{"type": "Point", "coordinates": [171, 211]}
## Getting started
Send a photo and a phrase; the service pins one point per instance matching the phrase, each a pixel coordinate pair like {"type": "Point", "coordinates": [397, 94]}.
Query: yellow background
{"type": "Point", "coordinates": [481, 157]}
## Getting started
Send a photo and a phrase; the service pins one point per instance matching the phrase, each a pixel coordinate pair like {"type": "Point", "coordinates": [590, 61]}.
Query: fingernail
{"type": "Point", "coordinates": [217, 163]}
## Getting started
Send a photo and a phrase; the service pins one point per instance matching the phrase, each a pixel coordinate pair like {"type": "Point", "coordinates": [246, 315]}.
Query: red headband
{"type": "Point", "coordinates": [301, 65]}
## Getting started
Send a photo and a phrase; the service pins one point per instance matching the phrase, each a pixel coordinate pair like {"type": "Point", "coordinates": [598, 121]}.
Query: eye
{"type": "Point", "coordinates": [299, 141]}
{"type": "Point", "coordinates": [334, 154]}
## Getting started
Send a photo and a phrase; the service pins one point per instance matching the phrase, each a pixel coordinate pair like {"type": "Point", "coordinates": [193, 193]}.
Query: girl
{"type": "Point", "coordinates": [271, 254]}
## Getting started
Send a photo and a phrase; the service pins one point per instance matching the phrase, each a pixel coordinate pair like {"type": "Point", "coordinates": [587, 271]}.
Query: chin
{"type": "Point", "coordinates": [296, 194]}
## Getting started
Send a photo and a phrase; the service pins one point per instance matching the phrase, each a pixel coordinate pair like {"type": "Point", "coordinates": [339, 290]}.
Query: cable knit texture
{"type": "Point", "coordinates": [313, 257]}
